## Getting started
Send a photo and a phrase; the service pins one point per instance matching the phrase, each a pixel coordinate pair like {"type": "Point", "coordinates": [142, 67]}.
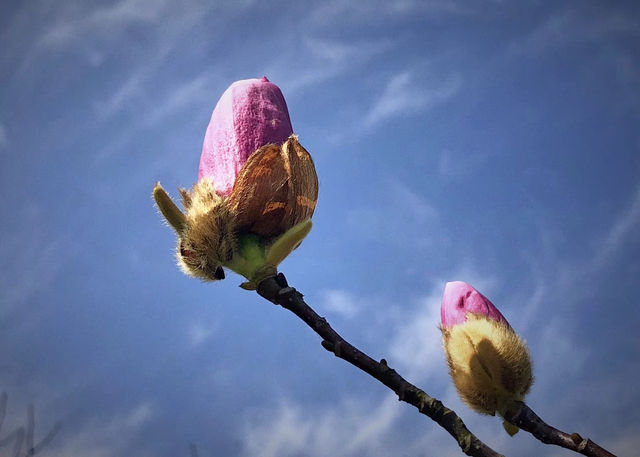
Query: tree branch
{"type": "Point", "coordinates": [526, 419]}
{"type": "Point", "coordinates": [276, 290]}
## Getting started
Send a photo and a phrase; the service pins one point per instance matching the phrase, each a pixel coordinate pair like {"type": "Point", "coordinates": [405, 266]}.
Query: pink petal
{"type": "Point", "coordinates": [250, 114]}
{"type": "Point", "coordinates": [459, 298]}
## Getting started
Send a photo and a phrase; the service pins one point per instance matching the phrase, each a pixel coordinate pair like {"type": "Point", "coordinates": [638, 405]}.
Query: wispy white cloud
{"type": "Point", "coordinates": [320, 59]}
{"type": "Point", "coordinates": [568, 280]}
{"type": "Point", "coordinates": [196, 90]}
{"type": "Point", "coordinates": [335, 52]}
{"type": "Point", "coordinates": [106, 23]}
{"type": "Point", "coordinates": [123, 95]}
{"type": "Point", "coordinates": [414, 203]}
{"type": "Point", "coordinates": [4, 138]}
{"type": "Point", "coordinates": [340, 302]}
{"type": "Point", "coordinates": [79, 29]}
{"type": "Point", "coordinates": [105, 437]}
{"type": "Point", "coordinates": [132, 92]}
{"type": "Point", "coordinates": [455, 165]}
{"type": "Point", "coordinates": [378, 9]}
{"type": "Point", "coordinates": [575, 25]}
{"type": "Point", "coordinates": [623, 226]}
{"type": "Point", "coordinates": [401, 211]}
{"type": "Point", "coordinates": [555, 352]}
{"type": "Point", "coordinates": [599, 28]}
{"type": "Point", "coordinates": [626, 443]}
{"type": "Point", "coordinates": [151, 110]}
{"type": "Point", "coordinates": [417, 342]}
{"type": "Point", "coordinates": [348, 428]}
{"type": "Point", "coordinates": [405, 94]}
{"type": "Point", "coordinates": [36, 260]}
{"type": "Point", "coordinates": [199, 332]}
{"type": "Point", "coordinates": [284, 434]}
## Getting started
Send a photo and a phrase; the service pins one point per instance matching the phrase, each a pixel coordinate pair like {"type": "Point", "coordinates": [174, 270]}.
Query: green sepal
{"type": "Point", "coordinates": [250, 261]}
{"type": "Point", "coordinates": [287, 242]}
{"type": "Point", "coordinates": [249, 257]}
{"type": "Point", "coordinates": [510, 428]}
{"type": "Point", "coordinates": [257, 261]}
{"type": "Point", "coordinates": [266, 271]}
{"type": "Point", "coordinates": [509, 407]}
{"type": "Point", "coordinates": [169, 210]}
{"type": "Point", "coordinates": [248, 285]}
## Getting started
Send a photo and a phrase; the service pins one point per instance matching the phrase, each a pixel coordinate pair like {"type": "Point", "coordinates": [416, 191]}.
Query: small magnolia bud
{"type": "Point", "coordinates": [250, 114]}
{"type": "Point", "coordinates": [488, 362]}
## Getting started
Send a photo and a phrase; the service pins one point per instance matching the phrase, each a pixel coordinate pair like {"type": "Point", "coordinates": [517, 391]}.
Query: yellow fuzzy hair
{"type": "Point", "coordinates": [488, 362]}
{"type": "Point", "coordinates": [208, 239]}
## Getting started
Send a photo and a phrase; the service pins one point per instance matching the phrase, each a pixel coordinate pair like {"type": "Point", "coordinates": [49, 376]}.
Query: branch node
{"type": "Point", "coordinates": [286, 292]}
{"type": "Point", "coordinates": [322, 322]}
{"type": "Point", "coordinates": [383, 367]}
{"type": "Point", "coordinates": [328, 345]}
{"type": "Point", "coordinates": [577, 439]}
{"type": "Point", "coordinates": [584, 444]}
{"type": "Point", "coordinates": [282, 280]}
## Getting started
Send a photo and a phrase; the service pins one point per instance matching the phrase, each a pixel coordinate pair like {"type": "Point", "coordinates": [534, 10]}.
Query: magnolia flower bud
{"type": "Point", "coordinates": [256, 192]}
{"type": "Point", "coordinates": [250, 114]}
{"type": "Point", "coordinates": [488, 362]}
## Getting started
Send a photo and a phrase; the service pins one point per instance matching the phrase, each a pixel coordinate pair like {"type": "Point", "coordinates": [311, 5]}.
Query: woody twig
{"type": "Point", "coordinates": [526, 419]}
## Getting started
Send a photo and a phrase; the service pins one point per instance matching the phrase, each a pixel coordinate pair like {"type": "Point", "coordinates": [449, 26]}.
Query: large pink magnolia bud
{"type": "Point", "coordinates": [256, 192]}
{"type": "Point", "coordinates": [250, 114]}
{"type": "Point", "coordinates": [488, 362]}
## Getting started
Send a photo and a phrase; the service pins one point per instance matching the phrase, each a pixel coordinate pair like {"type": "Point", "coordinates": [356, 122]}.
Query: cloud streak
{"type": "Point", "coordinates": [374, 10]}
{"type": "Point", "coordinates": [321, 59]}
{"type": "Point", "coordinates": [401, 211]}
{"type": "Point", "coordinates": [348, 428]}
{"type": "Point", "coordinates": [4, 138]}
{"type": "Point", "coordinates": [340, 302]}
{"type": "Point", "coordinates": [575, 25]}
{"type": "Point", "coordinates": [198, 333]}
{"type": "Point", "coordinates": [106, 437]}
{"type": "Point", "coordinates": [405, 95]}
{"type": "Point", "coordinates": [34, 268]}
{"type": "Point", "coordinates": [622, 227]}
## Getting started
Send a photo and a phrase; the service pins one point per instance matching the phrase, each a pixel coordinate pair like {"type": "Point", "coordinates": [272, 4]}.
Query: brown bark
{"type": "Point", "coordinates": [524, 417]}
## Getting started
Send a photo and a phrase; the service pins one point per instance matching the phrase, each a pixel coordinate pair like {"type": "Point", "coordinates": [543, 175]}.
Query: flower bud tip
{"type": "Point", "coordinates": [459, 299]}
{"type": "Point", "coordinates": [250, 114]}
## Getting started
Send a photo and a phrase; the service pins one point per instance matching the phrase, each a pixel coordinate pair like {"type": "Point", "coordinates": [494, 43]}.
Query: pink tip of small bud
{"type": "Point", "coordinates": [459, 298]}
{"type": "Point", "coordinates": [250, 114]}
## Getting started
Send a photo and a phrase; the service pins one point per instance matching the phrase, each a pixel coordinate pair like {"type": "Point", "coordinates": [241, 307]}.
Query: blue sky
{"type": "Point", "coordinates": [491, 142]}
